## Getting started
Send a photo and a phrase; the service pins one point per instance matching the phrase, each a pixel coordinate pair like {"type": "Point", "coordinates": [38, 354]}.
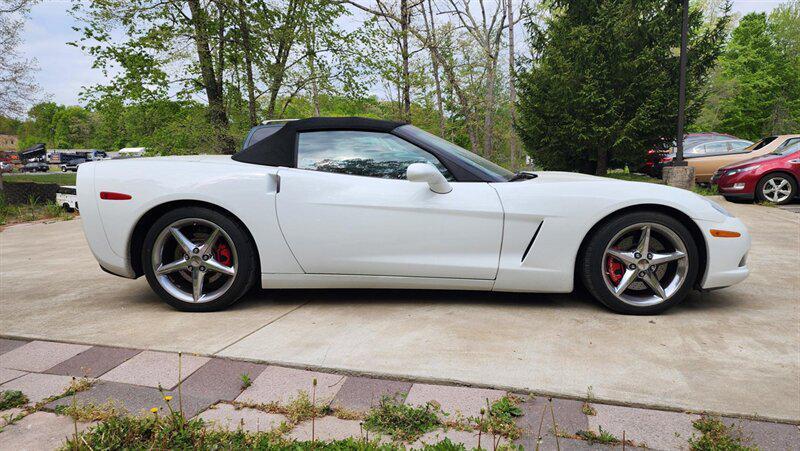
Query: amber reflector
{"type": "Point", "coordinates": [725, 234]}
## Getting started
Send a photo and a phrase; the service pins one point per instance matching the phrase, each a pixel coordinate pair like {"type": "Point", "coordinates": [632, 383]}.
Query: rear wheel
{"type": "Point", "coordinates": [198, 259]}
{"type": "Point", "coordinates": [640, 263]}
{"type": "Point", "coordinates": [776, 188]}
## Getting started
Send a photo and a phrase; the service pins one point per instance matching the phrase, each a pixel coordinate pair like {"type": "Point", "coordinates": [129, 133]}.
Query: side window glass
{"type": "Point", "coordinates": [368, 154]}
{"type": "Point", "coordinates": [716, 148]}
{"type": "Point", "coordinates": [697, 150]}
{"type": "Point", "coordinates": [788, 142]}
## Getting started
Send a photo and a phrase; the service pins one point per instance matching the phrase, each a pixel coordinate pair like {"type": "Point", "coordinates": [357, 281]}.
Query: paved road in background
{"type": "Point", "coordinates": [734, 351]}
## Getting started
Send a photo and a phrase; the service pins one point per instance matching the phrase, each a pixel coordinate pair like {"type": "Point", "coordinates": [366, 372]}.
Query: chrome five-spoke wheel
{"type": "Point", "coordinates": [198, 259]}
{"type": "Point", "coordinates": [645, 264]}
{"type": "Point", "coordinates": [777, 189]}
{"type": "Point", "coordinates": [640, 262]}
{"type": "Point", "coordinates": [194, 260]}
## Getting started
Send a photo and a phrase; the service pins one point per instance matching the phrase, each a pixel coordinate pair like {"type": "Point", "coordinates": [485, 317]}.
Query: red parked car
{"type": "Point", "coordinates": [772, 177]}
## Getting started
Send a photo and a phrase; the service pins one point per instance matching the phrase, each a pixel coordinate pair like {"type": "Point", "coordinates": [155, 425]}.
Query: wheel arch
{"type": "Point", "coordinates": [146, 221]}
{"type": "Point", "coordinates": [684, 219]}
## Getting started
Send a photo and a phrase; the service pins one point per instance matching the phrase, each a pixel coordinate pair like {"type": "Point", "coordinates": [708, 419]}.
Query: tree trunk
{"type": "Point", "coordinates": [216, 105]}
{"type": "Point", "coordinates": [248, 63]}
{"type": "Point", "coordinates": [512, 88]}
{"type": "Point", "coordinates": [278, 69]}
{"type": "Point", "coordinates": [437, 81]}
{"type": "Point", "coordinates": [488, 118]}
{"type": "Point", "coordinates": [405, 19]}
{"type": "Point", "coordinates": [602, 161]}
{"type": "Point", "coordinates": [312, 68]}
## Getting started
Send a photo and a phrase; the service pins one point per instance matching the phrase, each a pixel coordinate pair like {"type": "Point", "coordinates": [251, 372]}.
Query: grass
{"type": "Point", "coordinates": [716, 436]}
{"type": "Point", "coordinates": [12, 398]}
{"type": "Point", "coordinates": [90, 412]}
{"type": "Point", "coordinates": [603, 437]}
{"type": "Point", "coordinates": [173, 431]}
{"type": "Point", "coordinates": [32, 211]}
{"type": "Point", "coordinates": [60, 178]}
{"type": "Point", "coordinates": [402, 422]}
{"type": "Point", "coordinates": [298, 409]}
{"type": "Point", "coordinates": [624, 174]}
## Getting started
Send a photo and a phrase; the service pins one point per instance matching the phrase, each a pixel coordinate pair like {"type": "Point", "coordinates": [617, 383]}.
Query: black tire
{"type": "Point", "coordinates": [247, 266]}
{"type": "Point", "coordinates": [591, 261]}
{"type": "Point", "coordinates": [778, 177]}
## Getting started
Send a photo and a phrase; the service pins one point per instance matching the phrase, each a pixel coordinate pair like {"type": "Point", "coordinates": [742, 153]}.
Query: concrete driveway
{"type": "Point", "coordinates": [733, 351]}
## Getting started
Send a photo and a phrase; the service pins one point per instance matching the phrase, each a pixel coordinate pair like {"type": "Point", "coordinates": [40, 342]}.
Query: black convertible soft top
{"type": "Point", "coordinates": [279, 149]}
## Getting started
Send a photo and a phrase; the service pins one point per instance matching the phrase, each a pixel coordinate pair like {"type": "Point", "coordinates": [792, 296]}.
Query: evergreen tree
{"type": "Point", "coordinates": [602, 85]}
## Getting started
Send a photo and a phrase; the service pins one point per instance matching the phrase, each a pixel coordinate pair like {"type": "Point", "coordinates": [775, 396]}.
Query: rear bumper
{"type": "Point", "coordinates": [727, 257]}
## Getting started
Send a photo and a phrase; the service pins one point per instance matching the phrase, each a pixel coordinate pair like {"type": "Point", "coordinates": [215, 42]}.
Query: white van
{"type": "Point", "coordinates": [67, 197]}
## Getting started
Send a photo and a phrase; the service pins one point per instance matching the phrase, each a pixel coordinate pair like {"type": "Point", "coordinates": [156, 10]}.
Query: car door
{"type": "Point", "coordinates": [348, 209]}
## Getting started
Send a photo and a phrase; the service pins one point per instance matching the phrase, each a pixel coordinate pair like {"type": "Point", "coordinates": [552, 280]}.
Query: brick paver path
{"type": "Point", "coordinates": [213, 389]}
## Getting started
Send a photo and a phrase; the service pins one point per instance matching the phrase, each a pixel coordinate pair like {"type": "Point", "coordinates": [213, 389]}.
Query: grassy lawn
{"type": "Point", "coordinates": [632, 177]}
{"type": "Point", "coordinates": [61, 178]}
{"type": "Point", "coordinates": [14, 214]}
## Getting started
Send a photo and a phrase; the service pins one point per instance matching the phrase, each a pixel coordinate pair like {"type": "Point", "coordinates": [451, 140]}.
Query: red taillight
{"type": "Point", "coordinates": [108, 195]}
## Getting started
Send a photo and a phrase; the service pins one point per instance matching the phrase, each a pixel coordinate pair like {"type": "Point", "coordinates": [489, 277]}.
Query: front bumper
{"type": "Point", "coordinates": [727, 257]}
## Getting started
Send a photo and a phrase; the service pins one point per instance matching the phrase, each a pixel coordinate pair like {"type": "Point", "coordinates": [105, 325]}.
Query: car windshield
{"type": "Point", "coordinates": [499, 172]}
{"type": "Point", "coordinates": [787, 149]}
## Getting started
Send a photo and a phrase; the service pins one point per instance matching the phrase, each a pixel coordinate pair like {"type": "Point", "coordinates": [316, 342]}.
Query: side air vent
{"type": "Point", "coordinates": [533, 238]}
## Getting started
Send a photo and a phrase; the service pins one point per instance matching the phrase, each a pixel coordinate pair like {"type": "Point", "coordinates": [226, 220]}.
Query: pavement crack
{"type": "Point", "coordinates": [260, 327]}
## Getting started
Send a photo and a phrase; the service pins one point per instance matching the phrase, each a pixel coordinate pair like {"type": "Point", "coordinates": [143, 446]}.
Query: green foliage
{"type": "Point", "coordinates": [500, 418]}
{"type": "Point", "coordinates": [12, 398]}
{"type": "Point", "coordinates": [60, 178]}
{"type": "Point", "coordinates": [716, 436]}
{"type": "Point", "coordinates": [602, 87]}
{"type": "Point", "coordinates": [603, 437]}
{"type": "Point", "coordinates": [400, 421]}
{"type": "Point", "coordinates": [757, 86]}
{"type": "Point", "coordinates": [246, 381]}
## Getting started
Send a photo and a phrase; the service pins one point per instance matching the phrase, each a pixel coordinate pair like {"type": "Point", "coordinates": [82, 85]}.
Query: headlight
{"type": "Point", "coordinates": [719, 208]}
{"type": "Point", "coordinates": [740, 170]}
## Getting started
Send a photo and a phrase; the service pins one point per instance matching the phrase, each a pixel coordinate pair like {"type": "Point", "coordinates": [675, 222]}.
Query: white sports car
{"type": "Point", "coordinates": [362, 203]}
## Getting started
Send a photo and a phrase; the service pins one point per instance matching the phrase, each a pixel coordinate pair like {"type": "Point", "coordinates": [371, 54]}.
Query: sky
{"type": "Point", "coordinates": [65, 69]}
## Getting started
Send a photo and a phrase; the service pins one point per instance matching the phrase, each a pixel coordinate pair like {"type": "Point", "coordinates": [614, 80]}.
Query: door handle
{"type": "Point", "coordinates": [277, 179]}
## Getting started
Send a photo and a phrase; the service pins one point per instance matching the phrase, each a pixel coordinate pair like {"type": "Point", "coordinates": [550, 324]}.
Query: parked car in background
{"type": "Point", "coordinates": [67, 197]}
{"type": "Point", "coordinates": [37, 166]}
{"type": "Point", "coordinates": [772, 178]}
{"type": "Point", "coordinates": [72, 165]}
{"type": "Point", "coordinates": [706, 166]}
{"type": "Point", "coordinates": [694, 145]}
{"type": "Point", "coordinates": [6, 167]}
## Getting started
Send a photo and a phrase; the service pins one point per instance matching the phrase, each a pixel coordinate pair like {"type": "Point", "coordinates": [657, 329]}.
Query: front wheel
{"type": "Point", "coordinates": [640, 263]}
{"type": "Point", "coordinates": [198, 259]}
{"type": "Point", "coordinates": [776, 188]}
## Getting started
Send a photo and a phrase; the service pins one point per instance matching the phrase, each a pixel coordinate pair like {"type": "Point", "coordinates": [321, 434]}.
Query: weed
{"type": "Point", "coordinates": [246, 381]}
{"type": "Point", "coordinates": [347, 414]}
{"type": "Point", "coordinates": [765, 203]}
{"type": "Point", "coordinates": [498, 419]}
{"type": "Point", "coordinates": [12, 398]}
{"type": "Point", "coordinates": [706, 190]}
{"type": "Point", "coordinates": [587, 409]}
{"type": "Point", "coordinates": [400, 421]}
{"type": "Point", "coordinates": [716, 436]}
{"type": "Point", "coordinates": [298, 409]}
{"type": "Point", "coordinates": [90, 412]}
{"type": "Point", "coordinates": [603, 437]}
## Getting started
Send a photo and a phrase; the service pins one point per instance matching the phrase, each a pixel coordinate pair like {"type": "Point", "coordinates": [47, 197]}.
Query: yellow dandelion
{"type": "Point", "coordinates": [168, 398]}
{"type": "Point", "coordinates": [154, 410]}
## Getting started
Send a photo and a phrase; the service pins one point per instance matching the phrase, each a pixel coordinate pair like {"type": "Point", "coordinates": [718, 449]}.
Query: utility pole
{"type": "Point", "coordinates": [679, 173]}
{"type": "Point", "coordinates": [679, 161]}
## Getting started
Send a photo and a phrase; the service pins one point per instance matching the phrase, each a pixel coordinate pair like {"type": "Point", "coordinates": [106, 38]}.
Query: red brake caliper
{"type": "Point", "coordinates": [615, 270]}
{"type": "Point", "coordinates": [223, 254]}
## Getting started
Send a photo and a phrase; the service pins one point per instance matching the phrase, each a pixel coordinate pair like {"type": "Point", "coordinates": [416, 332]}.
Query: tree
{"type": "Point", "coordinates": [17, 88]}
{"type": "Point", "coordinates": [759, 77]}
{"type": "Point", "coordinates": [602, 84]}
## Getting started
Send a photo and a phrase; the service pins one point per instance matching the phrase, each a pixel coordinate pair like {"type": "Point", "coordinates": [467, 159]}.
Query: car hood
{"type": "Point", "coordinates": [751, 161]}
